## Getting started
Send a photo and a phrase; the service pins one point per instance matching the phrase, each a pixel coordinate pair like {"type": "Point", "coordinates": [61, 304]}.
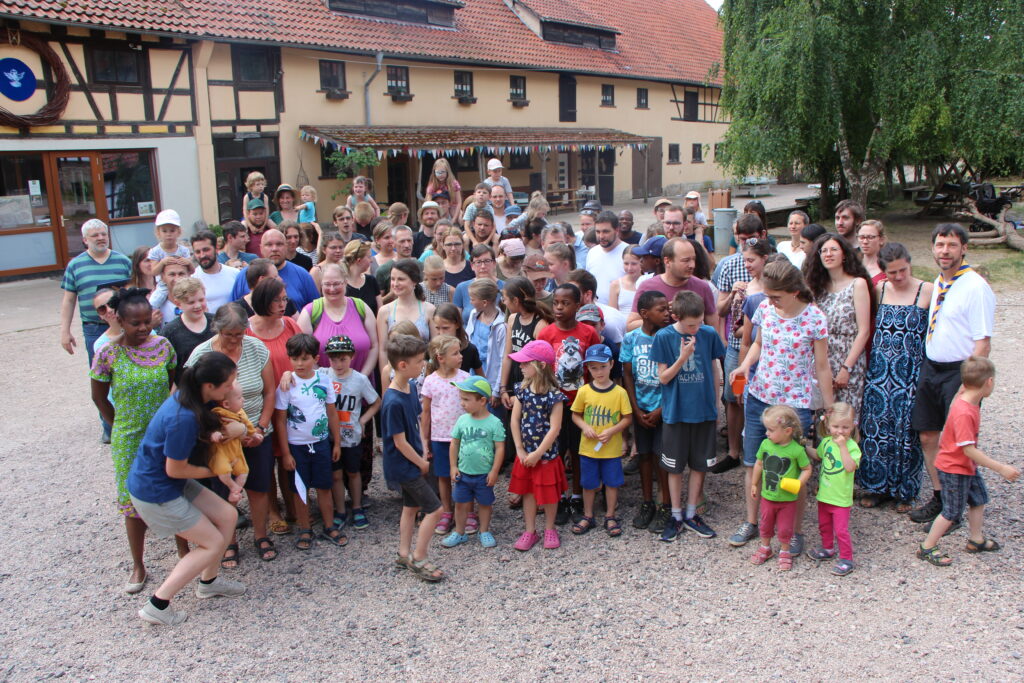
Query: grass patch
{"type": "Point", "coordinates": [1005, 270]}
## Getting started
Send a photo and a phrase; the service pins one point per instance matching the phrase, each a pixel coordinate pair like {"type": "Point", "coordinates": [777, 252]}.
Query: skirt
{"type": "Point", "coordinates": [545, 481]}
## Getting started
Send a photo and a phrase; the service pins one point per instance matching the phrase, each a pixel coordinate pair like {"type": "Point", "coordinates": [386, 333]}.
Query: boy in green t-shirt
{"type": "Point", "coordinates": [840, 458]}
{"type": "Point", "coordinates": [781, 461]}
{"type": "Point", "coordinates": [476, 453]}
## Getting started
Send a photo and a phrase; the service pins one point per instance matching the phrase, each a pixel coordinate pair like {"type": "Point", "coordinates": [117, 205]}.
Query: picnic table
{"type": "Point", "coordinates": [564, 198]}
{"type": "Point", "coordinates": [752, 183]}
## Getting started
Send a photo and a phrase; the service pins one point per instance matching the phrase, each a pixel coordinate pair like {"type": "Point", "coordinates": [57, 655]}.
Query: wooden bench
{"type": "Point", "coordinates": [911, 191]}
{"type": "Point", "coordinates": [752, 183]}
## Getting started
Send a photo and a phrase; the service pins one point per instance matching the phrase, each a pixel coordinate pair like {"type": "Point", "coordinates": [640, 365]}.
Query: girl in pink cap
{"type": "Point", "coordinates": [538, 474]}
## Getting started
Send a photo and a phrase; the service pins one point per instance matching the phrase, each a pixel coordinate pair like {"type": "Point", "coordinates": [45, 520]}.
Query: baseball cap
{"type": "Point", "coordinates": [168, 217]}
{"type": "Point", "coordinates": [589, 313]}
{"type": "Point", "coordinates": [535, 350]}
{"type": "Point", "coordinates": [509, 233]}
{"type": "Point", "coordinates": [339, 345]}
{"type": "Point", "coordinates": [255, 204]}
{"type": "Point", "coordinates": [662, 201]}
{"type": "Point", "coordinates": [598, 353]}
{"type": "Point", "coordinates": [493, 164]}
{"type": "Point", "coordinates": [513, 247]}
{"type": "Point", "coordinates": [476, 385]}
{"type": "Point", "coordinates": [443, 194]}
{"type": "Point", "coordinates": [651, 247]}
{"type": "Point", "coordinates": [537, 264]}
{"type": "Point", "coordinates": [692, 194]}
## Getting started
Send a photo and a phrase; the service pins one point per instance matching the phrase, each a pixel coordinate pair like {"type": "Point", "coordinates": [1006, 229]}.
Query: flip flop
{"type": "Point", "coordinates": [279, 527]}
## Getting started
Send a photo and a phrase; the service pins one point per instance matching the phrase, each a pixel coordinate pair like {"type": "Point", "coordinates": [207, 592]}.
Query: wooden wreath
{"type": "Point", "coordinates": [54, 109]}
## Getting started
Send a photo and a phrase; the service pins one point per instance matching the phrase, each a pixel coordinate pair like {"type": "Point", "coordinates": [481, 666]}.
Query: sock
{"type": "Point", "coordinates": [677, 514]}
{"type": "Point", "coordinates": [158, 603]}
{"type": "Point", "coordinates": [207, 583]}
{"type": "Point", "coordinates": [691, 511]}
{"type": "Point", "coordinates": [577, 496]}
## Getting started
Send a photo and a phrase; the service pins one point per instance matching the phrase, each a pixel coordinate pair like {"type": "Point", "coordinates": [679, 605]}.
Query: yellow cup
{"type": "Point", "coordinates": [790, 485]}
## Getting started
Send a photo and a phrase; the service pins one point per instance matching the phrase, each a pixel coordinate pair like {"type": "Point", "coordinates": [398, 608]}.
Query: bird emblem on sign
{"type": "Point", "coordinates": [15, 77]}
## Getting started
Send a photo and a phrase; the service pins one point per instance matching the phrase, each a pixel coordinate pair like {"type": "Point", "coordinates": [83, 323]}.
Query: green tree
{"type": "Point", "coordinates": [348, 164]}
{"type": "Point", "coordinates": [808, 83]}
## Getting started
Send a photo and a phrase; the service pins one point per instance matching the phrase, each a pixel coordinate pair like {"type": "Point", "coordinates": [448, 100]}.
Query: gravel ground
{"type": "Point", "coordinates": [598, 608]}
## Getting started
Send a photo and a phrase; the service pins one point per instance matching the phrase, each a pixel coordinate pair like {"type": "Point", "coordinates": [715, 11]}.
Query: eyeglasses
{"type": "Point", "coordinates": [671, 222]}
{"type": "Point", "coordinates": [483, 262]}
{"type": "Point", "coordinates": [867, 238]}
{"type": "Point", "coordinates": [281, 300]}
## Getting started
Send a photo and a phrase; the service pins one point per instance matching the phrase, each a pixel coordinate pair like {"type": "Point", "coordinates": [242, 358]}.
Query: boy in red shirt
{"type": "Point", "coordinates": [570, 340]}
{"type": "Point", "coordinates": [957, 463]}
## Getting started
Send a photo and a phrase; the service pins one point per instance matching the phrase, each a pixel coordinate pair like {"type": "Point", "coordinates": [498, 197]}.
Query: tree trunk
{"type": "Point", "coordinates": [1001, 233]}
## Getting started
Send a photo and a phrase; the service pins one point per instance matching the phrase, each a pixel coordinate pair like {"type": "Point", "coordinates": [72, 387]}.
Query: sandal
{"type": "Point", "coordinates": [403, 561]}
{"type": "Point", "coordinates": [335, 536]}
{"type": "Point", "coordinates": [426, 571]}
{"type": "Point", "coordinates": [279, 527]}
{"type": "Point", "coordinates": [904, 506]}
{"type": "Point", "coordinates": [233, 558]}
{"type": "Point", "coordinates": [872, 500]}
{"type": "Point", "coordinates": [444, 524]}
{"type": "Point", "coordinates": [304, 539]}
{"type": "Point", "coordinates": [761, 555]}
{"type": "Point", "coordinates": [612, 526]}
{"type": "Point", "coordinates": [785, 560]}
{"type": "Point", "coordinates": [583, 526]}
{"type": "Point", "coordinates": [265, 549]}
{"type": "Point", "coordinates": [934, 556]}
{"type": "Point", "coordinates": [986, 546]}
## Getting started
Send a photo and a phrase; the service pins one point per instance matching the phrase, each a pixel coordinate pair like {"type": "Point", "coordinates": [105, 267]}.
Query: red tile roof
{"type": "Point", "coordinates": [567, 11]}
{"type": "Point", "coordinates": [495, 140]}
{"type": "Point", "coordinates": [670, 40]}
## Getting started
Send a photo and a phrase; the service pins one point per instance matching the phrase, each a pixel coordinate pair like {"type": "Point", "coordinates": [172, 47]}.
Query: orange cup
{"type": "Point", "coordinates": [738, 383]}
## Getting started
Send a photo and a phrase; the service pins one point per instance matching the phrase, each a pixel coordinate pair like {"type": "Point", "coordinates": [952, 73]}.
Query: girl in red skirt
{"type": "Point", "coordinates": [538, 474]}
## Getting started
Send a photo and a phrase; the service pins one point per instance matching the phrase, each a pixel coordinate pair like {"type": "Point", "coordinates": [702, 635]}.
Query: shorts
{"type": "Point", "coordinates": [569, 436]}
{"type": "Point", "coordinates": [174, 516]}
{"type": "Point", "coordinates": [694, 445]}
{"type": "Point", "coordinates": [647, 440]}
{"type": "Point", "coordinates": [441, 463]}
{"type": "Point", "coordinates": [936, 389]}
{"type": "Point", "coordinates": [416, 493]}
{"type": "Point", "coordinates": [732, 361]}
{"type": "Point", "coordinates": [597, 471]}
{"type": "Point", "coordinates": [351, 459]}
{"type": "Point", "coordinates": [753, 427]}
{"type": "Point", "coordinates": [261, 465]}
{"type": "Point", "coordinates": [960, 491]}
{"type": "Point", "coordinates": [313, 464]}
{"type": "Point", "coordinates": [545, 481]}
{"type": "Point", "coordinates": [469, 487]}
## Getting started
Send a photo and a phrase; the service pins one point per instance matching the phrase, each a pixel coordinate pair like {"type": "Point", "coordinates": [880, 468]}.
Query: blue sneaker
{"type": "Point", "coordinates": [697, 525]}
{"type": "Point", "coordinates": [487, 539]}
{"type": "Point", "coordinates": [359, 520]}
{"type": "Point", "coordinates": [673, 527]}
{"type": "Point", "coordinates": [453, 539]}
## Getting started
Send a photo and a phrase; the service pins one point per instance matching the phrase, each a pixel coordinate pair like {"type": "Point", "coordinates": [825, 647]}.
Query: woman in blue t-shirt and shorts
{"type": "Point", "coordinates": [163, 487]}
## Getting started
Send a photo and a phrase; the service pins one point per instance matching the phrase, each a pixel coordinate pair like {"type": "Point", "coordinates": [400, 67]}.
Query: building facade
{"type": "Point", "coordinates": [171, 103]}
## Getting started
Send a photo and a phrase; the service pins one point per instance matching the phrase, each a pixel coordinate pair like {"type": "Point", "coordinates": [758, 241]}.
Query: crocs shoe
{"type": "Point", "coordinates": [487, 539]}
{"type": "Point", "coordinates": [444, 525]}
{"type": "Point", "coordinates": [472, 523]}
{"type": "Point", "coordinates": [525, 542]}
{"type": "Point", "coordinates": [453, 539]}
{"type": "Point", "coordinates": [551, 540]}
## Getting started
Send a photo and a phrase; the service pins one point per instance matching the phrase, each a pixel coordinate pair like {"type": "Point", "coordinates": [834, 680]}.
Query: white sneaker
{"type": "Point", "coordinates": [161, 617]}
{"type": "Point", "coordinates": [220, 587]}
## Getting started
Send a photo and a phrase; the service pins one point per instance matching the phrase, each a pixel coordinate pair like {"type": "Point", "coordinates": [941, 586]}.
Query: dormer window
{"type": "Point", "coordinates": [578, 35]}
{"type": "Point", "coordinates": [431, 12]}
{"type": "Point", "coordinates": [564, 22]}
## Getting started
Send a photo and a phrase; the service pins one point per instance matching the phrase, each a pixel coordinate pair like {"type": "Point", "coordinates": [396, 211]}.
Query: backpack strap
{"type": "Point", "coordinates": [316, 312]}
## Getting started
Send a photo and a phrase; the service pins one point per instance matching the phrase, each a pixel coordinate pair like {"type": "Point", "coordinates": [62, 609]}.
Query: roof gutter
{"type": "Point", "coordinates": [366, 88]}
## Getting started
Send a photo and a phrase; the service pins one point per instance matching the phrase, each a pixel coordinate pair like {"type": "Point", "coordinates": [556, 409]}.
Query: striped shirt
{"type": "Point", "coordinates": [254, 358]}
{"type": "Point", "coordinates": [84, 276]}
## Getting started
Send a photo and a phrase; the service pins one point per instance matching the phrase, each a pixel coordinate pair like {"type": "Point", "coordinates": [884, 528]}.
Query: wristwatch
{"type": "Point", "coordinates": [848, 368]}
{"type": "Point", "coordinates": [263, 430]}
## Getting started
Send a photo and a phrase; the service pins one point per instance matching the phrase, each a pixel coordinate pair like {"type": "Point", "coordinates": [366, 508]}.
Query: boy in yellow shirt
{"type": "Point", "coordinates": [602, 412]}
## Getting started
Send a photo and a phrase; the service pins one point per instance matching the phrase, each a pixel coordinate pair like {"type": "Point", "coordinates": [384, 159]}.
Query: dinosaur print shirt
{"type": "Point", "coordinates": [601, 410]}
{"type": "Point", "coordinates": [306, 406]}
{"type": "Point", "coordinates": [778, 463]}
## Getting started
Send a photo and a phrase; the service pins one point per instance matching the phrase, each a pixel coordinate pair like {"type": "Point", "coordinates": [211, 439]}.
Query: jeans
{"type": "Point", "coordinates": [753, 428]}
{"type": "Point", "coordinates": [90, 333]}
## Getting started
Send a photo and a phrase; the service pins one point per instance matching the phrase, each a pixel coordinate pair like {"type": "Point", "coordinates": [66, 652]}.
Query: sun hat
{"type": "Point", "coordinates": [513, 247]}
{"type": "Point", "coordinates": [662, 201]}
{"type": "Point", "coordinates": [692, 194]}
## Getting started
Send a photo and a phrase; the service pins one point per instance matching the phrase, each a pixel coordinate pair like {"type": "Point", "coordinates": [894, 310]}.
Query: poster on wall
{"type": "Point", "coordinates": [146, 208]}
{"type": "Point", "coordinates": [35, 193]}
{"type": "Point", "coordinates": [15, 211]}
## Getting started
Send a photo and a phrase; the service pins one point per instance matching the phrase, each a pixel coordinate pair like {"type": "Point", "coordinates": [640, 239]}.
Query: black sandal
{"type": "Point", "coordinates": [934, 556]}
{"type": "Point", "coordinates": [986, 546]}
{"type": "Point", "coordinates": [265, 547]}
{"type": "Point", "coordinates": [304, 539]}
{"type": "Point", "coordinates": [583, 526]}
{"type": "Point", "coordinates": [613, 526]}
{"type": "Point", "coordinates": [232, 548]}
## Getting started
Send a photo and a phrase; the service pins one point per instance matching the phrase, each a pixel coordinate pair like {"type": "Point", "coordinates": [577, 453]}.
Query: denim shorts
{"type": "Point", "coordinates": [732, 361]}
{"type": "Point", "coordinates": [960, 491]}
{"type": "Point", "coordinates": [469, 487]}
{"type": "Point", "coordinates": [351, 459]}
{"type": "Point", "coordinates": [441, 464]}
{"type": "Point", "coordinates": [597, 471]}
{"type": "Point", "coordinates": [313, 463]}
{"type": "Point", "coordinates": [753, 428]}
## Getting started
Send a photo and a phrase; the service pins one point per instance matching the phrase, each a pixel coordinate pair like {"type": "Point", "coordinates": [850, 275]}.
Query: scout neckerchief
{"type": "Point", "coordinates": [944, 288]}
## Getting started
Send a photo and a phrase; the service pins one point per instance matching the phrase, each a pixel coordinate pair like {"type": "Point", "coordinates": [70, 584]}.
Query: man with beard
{"type": "Point", "coordinates": [217, 278]}
{"type": "Point", "coordinates": [257, 223]}
{"type": "Point", "coordinates": [429, 215]}
{"type": "Point", "coordinates": [605, 260]}
{"type": "Point", "coordinates": [299, 283]}
{"type": "Point", "coordinates": [849, 216]}
{"type": "Point", "coordinates": [680, 258]}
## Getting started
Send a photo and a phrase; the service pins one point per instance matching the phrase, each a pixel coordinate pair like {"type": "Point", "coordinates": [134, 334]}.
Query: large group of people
{"type": "Point", "coordinates": [276, 359]}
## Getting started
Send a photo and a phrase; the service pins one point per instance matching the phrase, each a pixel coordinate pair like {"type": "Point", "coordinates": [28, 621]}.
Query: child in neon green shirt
{"type": "Point", "coordinates": [840, 458]}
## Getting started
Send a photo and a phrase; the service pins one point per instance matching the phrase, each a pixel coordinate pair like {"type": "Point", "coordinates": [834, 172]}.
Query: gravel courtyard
{"type": "Point", "coordinates": [598, 608]}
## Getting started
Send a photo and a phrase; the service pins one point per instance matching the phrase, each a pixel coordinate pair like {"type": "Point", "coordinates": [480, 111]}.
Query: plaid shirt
{"type": "Point", "coordinates": [731, 270]}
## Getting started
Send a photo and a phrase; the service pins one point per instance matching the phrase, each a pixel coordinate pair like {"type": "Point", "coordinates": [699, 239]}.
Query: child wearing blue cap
{"type": "Point", "coordinates": [477, 451]}
{"type": "Point", "coordinates": [602, 411]}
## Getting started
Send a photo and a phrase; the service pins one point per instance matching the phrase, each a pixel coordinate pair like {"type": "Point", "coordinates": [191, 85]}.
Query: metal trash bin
{"type": "Point", "coordinates": [724, 219]}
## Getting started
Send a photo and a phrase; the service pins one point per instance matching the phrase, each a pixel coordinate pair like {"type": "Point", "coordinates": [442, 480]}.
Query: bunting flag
{"type": "Point", "coordinates": [492, 150]}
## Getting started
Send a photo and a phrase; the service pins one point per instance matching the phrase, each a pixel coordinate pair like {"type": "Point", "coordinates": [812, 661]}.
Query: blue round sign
{"type": "Point", "coordinates": [17, 82]}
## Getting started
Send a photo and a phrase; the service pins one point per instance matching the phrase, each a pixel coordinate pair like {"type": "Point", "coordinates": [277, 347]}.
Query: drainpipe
{"type": "Point", "coordinates": [366, 87]}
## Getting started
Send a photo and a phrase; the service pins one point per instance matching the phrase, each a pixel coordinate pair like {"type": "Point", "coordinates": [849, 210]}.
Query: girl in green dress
{"type": "Point", "coordinates": [137, 371]}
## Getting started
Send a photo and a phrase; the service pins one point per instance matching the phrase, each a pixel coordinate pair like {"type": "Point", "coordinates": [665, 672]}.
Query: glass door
{"type": "Point", "coordinates": [75, 178]}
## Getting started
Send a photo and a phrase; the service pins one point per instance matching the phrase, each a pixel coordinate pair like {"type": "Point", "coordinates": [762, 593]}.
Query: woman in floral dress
{"type": "Point", "coordinates": [137, 371]}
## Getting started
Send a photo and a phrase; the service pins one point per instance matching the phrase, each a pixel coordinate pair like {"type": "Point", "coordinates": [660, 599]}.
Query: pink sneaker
{"type": "Point", "coordinates": [472, 523]}
{"type": "Point", "coordinates": [444, 525]}
{"type": "Point", "coordinates": [551, 540]}
{"type": "Point", "coordinates": [526, 541]}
